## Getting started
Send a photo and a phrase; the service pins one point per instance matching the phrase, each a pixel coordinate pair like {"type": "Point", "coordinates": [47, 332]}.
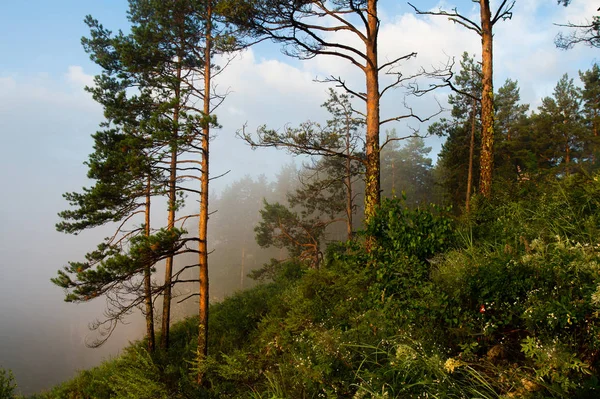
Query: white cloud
{"type": "Point", "coordinates": [80, 79]}
{"type": "Point", "coordinates": [263, 91]}
{"type": "Point", "coordinates": [7, 84]}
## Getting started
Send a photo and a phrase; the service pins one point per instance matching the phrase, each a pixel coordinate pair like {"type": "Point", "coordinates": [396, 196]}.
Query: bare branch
{"type": "Point", "coordinates": [503, 12]}
{"type": "Point", "coordinates": [411, 114]}
{"type": "Point", "coordinates": [342, 84]}
{"type": "Point", "coordinates": [219, 176]}
{"type": "Point", "coordinates": [453, 16]}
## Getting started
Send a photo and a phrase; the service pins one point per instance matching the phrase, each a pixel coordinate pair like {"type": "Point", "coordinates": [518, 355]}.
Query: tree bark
{"type": "Point", "coordinates": [372, 178]}
{"type": "Point", "coordinates": [487, 102]}
{"type": "Point", "coordinates": [202, 350]}
{"type": "Point", "coordinates": [471, 152]}
{"type": "Point", "coordinates": [348, 184]}
{"type": "Point", "coordinates": [567, 159]}
{"type": "Point", "coordinates": [243, 265]}
{"type": "Point", "coordinates": [166, 317]}
{"type": "Point", "coordinates": [148, 280]}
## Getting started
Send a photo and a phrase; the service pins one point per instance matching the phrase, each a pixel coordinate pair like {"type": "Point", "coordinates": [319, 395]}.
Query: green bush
{"type": "Point", "coordinates": [7, 384]}
{"type": "Point", "coordinates": [402, 368]}
{"type": "Point", "coordinates": [525, 289]}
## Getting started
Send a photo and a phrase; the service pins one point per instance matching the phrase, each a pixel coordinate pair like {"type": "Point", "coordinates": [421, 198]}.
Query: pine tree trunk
{"type": "Point", "coordinates": [202, 350]}
{"type": "Point", "coordinates": [595, 130]}
{"type": "Point", "coordinates": [243, 265]}
{"type": "Point", "coordinates": [348, 182]}
{"type": "Point", "coordinates": [148, 280]}
{"type": "Point", "coordinates": [166, 317]}
{"type": "Point", "coordinates": [567, 158]}
{"type": "Point", "coordinates": [471, 152]}
{"type": "Point", "coordinates": [393, 177]}
{"type": "Point", "coordinates": [487, 102]}
{"type": "Point", "coordinates": [372, 183]}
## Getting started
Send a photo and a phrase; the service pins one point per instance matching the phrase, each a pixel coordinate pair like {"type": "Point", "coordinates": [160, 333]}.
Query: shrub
{"type": "Point", "coordinates": [7, 384]}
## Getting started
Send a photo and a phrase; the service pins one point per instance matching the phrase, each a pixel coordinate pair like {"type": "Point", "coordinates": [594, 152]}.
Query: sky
{"type": "Point", "coordinates": [46, 119]}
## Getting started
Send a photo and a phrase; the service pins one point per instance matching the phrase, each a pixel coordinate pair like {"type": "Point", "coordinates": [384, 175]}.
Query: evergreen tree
{"type": "Point", "coordinates": [408, 169]}
{"type": "Point", "coordinates": [125, 169]}
{"type": "Point", "coordinates": [181, 39]}
{"type": "Point", "coordinates": [512, 131]}
{"type": "Point", "coordinates": [300, 235]}
{"type": "Point", "coordinates": [232, 231]}
{"type": "Point", "coordinates": [168, 51]}
{"type": "Point", "coordinates": [304, 28]}
{"type": "Point", "coordinates": [330, 189]}
{"type": "Point", "coordinates": [166, 38]}
{"type": "Point", "coordinates": [460, 153]}
{"type": "Point", "coordinates": [487, 21]}
{"type": "Point", "coordinates": [590, 96]}
{"type": "Point", "coordinates": [559, 128]}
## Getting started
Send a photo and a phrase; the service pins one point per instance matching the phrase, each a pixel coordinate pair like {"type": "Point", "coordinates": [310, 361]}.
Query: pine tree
{"type": "Point", "coordinates": [162, 34]}
{"type": "Point", "coordinates": [591, 110]}
{"type": "Point", "coordinates": [180, 39]}
{"type": "Point", "coordinates": [125, 168]}
{"type": "Point", "coordinates": [304, 28]}
{"type": "Point", "coordinates": [512, 131]}
{"type": "Point", "coordinates": [168, 51]}
{"type": "Point", "coordinates": [559, 126]}
{"type": "Point", "coordinates": [283, 228]}
{"type": "Point", "coordinates": [407, 169]}
{"type": "Point", "coordinates": [460, 153]}
{"type": "Point", "coordinates": [235, 215]}
{"type": "Point", "coordinates": [487, 21]}
{"type": "Point", "coordinates": [341, 160]}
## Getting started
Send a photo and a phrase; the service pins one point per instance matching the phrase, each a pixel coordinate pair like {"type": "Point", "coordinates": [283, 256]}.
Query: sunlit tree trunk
{"type": "Point", "coordinates": [148, 278]}
{"type": "Point", "coordinates": [372, 177]}
{"type": "Point", "coordinates": [166, 317]}
{"type": "Point", "coordinates": [348, 183]}
{"type": "Point", "coordinates": [202, 351]}
{"type": "Point", "coordinates": [471, 153]}
{"type": "Point", "coordinates": [487, 102]}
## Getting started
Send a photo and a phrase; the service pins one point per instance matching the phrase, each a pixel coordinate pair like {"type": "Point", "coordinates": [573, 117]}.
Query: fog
{"type": "Point", "coordinates": [46, 120]}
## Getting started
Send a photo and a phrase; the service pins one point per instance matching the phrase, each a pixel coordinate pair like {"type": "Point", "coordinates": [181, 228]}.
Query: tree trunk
{"type": "Point", "coordinates": [595, 130]}
{"type": "Point", "coordinates": [487, 102]}
{"type": "Point", "coordinates": [166, 317]}
{"type": "Point", "coordinates": [471, 152]}
{"type": "Point", "coordinates": [202, 350]}
{"type": "Point", "coordinates": [348, 182]}
{"type": "Point", "coordinates": [567, 158]}
{"type": "Point", "coordinates": [372, 183]}
{"type": "Point", "coordinates": [243, 265]}
{"type": "Point", "coordinates": [148, 280]}
{"type": "Point", "coordinates": [393, 177]}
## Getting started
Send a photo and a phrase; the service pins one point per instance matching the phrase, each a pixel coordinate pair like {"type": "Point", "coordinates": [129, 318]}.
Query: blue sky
{"type": "Point", "coordinates": [46, 120]}
{"type": "Point", "coordinates": [42, 36]}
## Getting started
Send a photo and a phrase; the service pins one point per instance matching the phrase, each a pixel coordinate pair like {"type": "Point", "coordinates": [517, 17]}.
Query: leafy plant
{"type": "Point", "coordinates": [7, 384]}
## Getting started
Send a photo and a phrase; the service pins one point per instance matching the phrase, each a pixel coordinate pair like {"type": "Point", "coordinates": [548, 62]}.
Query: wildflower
{"type": "Point", "coordinates": [452, 364]}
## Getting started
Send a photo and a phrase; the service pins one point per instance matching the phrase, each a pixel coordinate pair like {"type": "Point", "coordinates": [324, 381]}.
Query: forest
{"type": "Point", "coordinates": [369, 267]}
